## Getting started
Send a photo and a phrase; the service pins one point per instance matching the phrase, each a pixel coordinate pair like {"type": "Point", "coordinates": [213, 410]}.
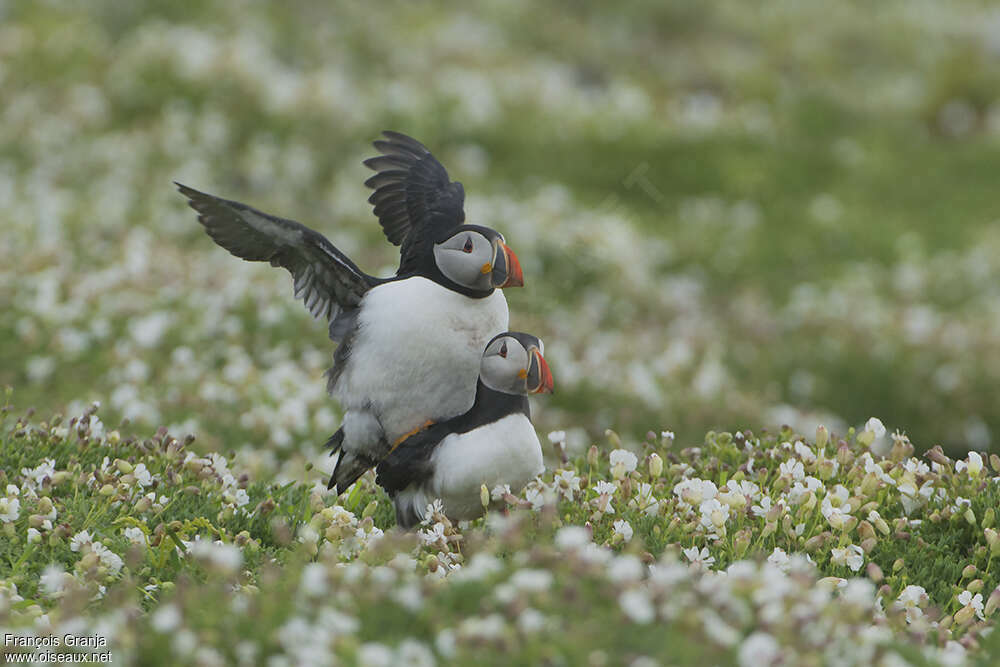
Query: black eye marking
{"type": "Point", "coordinates": [503, 350]}
{"type": "Point", "coordinates": [468, 244]}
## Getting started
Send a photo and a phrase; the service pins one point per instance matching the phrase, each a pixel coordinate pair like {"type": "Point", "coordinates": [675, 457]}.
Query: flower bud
{"type": "Point", "coordinates": [741, 542]}
{"type": "Point", "coordinates": [995, 462]}
{"type": "Point", "coordinates": [655, 465]}
{"type": "Point", "coordinates": [969, 571]}
{"type": "Point", "coordinates": [992, 602]}
{"type": "Point", "coordinates": [989, 518]}
{"type": "Point", "coordinates": [371, 507]}
{"type": "Point", "coordinates": [866, 530]}
{"type": "Point", "coordinates": [826, 468]}
{"type": "Point", "coordinates": [866, 438]}
{"type": "Point", "coordinates": [613, 438]}
{"type": "Point", "coordinates": [965, 615]}
{"type": "Point", "coordinates": [769, 528]}
{"type": "Point", "coordinates": [822, 437]}
{"type": "Point", "coordinates": [897, 565]}
{"type": "Point", "coordinates": [484, 495]}
{"type": "Point", "coordinates": [107, 490]}
{"type": "Point", "coordinates": [844, 455]}
{"type": "Point", "coordinates": [874, 572]}
{"type": "Point", "coordinates": [593, 456]}
{"type": "Point", "coordinates": [143, 504]}
{"type": "Point", "coordinates": [868, 545]}
{"type": "Point", "coordinates": [869, 484]}
{"type": "Point", "coordinates": [124, 466]}
{"type": "Point", "coordinates": [970, 516]}
{"type": "Point", "coordinates": [936, 454]}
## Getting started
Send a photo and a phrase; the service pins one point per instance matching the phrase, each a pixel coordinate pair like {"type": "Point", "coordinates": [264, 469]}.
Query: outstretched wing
{"type": "Point", "coordinates": [325, 279]}
{"type": "Point", "coordinates": [414, 200]}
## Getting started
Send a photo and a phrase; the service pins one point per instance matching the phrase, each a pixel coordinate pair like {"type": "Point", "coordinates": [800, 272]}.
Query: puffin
{"type": "Point", "coordinates": [409, 345]}
{"type": "Point", "coordinates": [492, 443]}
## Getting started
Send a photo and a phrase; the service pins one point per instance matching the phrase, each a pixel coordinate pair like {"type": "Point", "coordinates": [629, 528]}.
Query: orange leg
{"type": "Point", "coordinates": [418, 429]}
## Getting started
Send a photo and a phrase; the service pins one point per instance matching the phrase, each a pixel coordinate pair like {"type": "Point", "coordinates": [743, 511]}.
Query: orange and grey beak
{"type": "Point", "coordinates": [539, 380]}
{"type": "Point", "coordinates": [506, 268]}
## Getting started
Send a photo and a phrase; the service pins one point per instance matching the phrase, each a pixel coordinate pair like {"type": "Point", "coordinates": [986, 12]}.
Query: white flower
{"type": "Point", "coordinates": [433, 535]}
{"type": "Point", "coordinates": [667, 435]}
{"type": "Point", "coordinates": [80, 540]}
{"type": "Point", "coordinates": [241, 497]}
{"type": "Point", "coordinates": [10, 509]}
{"type": "Point", "coordinates": [53, 579]}
{"type": "Point", "coordinates": [762, 509]}
{"type": "Point", "coordinates": [605, 488]}
{"type": "Point", "coordinates": [499, 491]}
{"type": "Point", "coordinates": [557, 436]}
{"type": "Point", "coordinates": [713, 514]}
{"type": "Point", "coordinates": [434, 507]}
{"type": "Point", "coordinates": [166, 619]}
{"type": "Point", "coordinates": [876, 427]}
{"type": "Point", "coordinates": [34, 536]}
{"type": "Point", "coordinates": [637, 606]}
{"type": "Point", "coordinates": [974, 466]}
{"type": "Point", "coordinates": [572, 537]}
{"type": "Point", "coordinates": [779, 559]}
{"type": "Point", "coordinates": [792, 469]}
{"type": "Point", "coordinates": [696, 557]}
{"type": "Point", "coordinates": [623, 528]}
{"type": "Point", "coordinates": [566, 483]}
{"type": "Point", "coordinates": [695, 491]}
{"type": "Point", "coordinates": [35, 476]}
{"type": "Point", "coordinates": [912, 599]}
{"type": "Point", "coordinates": [142, 476]}
{"type": "Point", "coordinates": [622, 463]}
{"type": "Point", "coordinates": [804, 451]}
{"type": "Point", "coordinates": [759, 650]}
{"type": "Point", "coordinates": [836, 516]}
{"type": "Point", "coordinates": [966, 598]}
{"type": "Point", "coordinates": [852, 556]}
{"type": "Point", "coordinates": [223, 556]}
{"type": "Point", "coordinates": [109, 558]}
{"type": "Point", "coordinates": [135, 535]}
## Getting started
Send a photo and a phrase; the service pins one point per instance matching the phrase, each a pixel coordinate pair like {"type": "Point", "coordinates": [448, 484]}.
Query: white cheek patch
{"type": "Point", "coordinates": [466, 268]}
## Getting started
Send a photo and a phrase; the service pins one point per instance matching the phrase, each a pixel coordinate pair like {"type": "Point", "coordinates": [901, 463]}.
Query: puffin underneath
{"type": "Point", "coordinates": [492, 443]}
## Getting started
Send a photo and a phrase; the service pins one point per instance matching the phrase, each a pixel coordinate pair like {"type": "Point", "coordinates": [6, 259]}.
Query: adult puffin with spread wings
{"type": "Point", "coordinates": [409, 345]}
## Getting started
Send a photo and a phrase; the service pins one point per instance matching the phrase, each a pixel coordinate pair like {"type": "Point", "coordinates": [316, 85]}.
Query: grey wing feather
{"type": "Point", "coordinates": [328, 282]}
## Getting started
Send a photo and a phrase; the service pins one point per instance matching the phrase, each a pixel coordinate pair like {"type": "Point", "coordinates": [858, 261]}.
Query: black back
{"type": "Point", "coordinates": [410, 462]}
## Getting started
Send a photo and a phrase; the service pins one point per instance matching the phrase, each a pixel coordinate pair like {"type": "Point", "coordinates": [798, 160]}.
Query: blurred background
{"type": "Point", "coordinates": [730, 215]}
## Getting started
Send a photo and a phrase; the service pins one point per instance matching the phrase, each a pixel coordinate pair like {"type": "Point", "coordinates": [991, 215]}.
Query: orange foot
{"type": "Point", "coordinates": [418, 429]}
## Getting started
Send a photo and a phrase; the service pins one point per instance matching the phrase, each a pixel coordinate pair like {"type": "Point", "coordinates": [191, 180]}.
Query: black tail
{"type": "Point", "coordinates": [336, 441]}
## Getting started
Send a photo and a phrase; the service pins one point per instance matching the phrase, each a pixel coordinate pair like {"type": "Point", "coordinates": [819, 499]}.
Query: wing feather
{"type": "Point", "coordinates": [414, 199]}
{"type": "Point", "coordinates": [326, 280]}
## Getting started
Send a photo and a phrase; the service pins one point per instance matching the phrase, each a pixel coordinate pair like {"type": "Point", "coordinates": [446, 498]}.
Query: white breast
{"type": "Point", "coordinates": [416, 353]}
{"type": "Point", "coordinates": [504, 452]}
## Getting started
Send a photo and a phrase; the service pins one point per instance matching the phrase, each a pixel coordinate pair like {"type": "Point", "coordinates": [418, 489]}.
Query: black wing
{"type": "Point", "coordinates": [410, 461]}
{"type": "Point", "coordinates": [414, 200]}
{"type": "Point", "coordinates": [325, 279]}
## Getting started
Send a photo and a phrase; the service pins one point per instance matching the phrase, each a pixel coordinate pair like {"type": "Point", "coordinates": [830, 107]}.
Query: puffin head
{"type": "Point", "coordinates": [513, 364]}
{"type": "Point", "coordinates": [478, 259]}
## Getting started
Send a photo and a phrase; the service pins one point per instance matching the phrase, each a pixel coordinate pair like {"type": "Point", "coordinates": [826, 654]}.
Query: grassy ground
{"type": "Point", "coordinates": [746, 550]}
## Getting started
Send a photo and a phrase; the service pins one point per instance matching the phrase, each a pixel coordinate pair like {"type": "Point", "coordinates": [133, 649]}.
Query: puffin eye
{"type": "Point", "coordinates": [503, 350]}
{"type": "Point", "coordinates": [468, 244]}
